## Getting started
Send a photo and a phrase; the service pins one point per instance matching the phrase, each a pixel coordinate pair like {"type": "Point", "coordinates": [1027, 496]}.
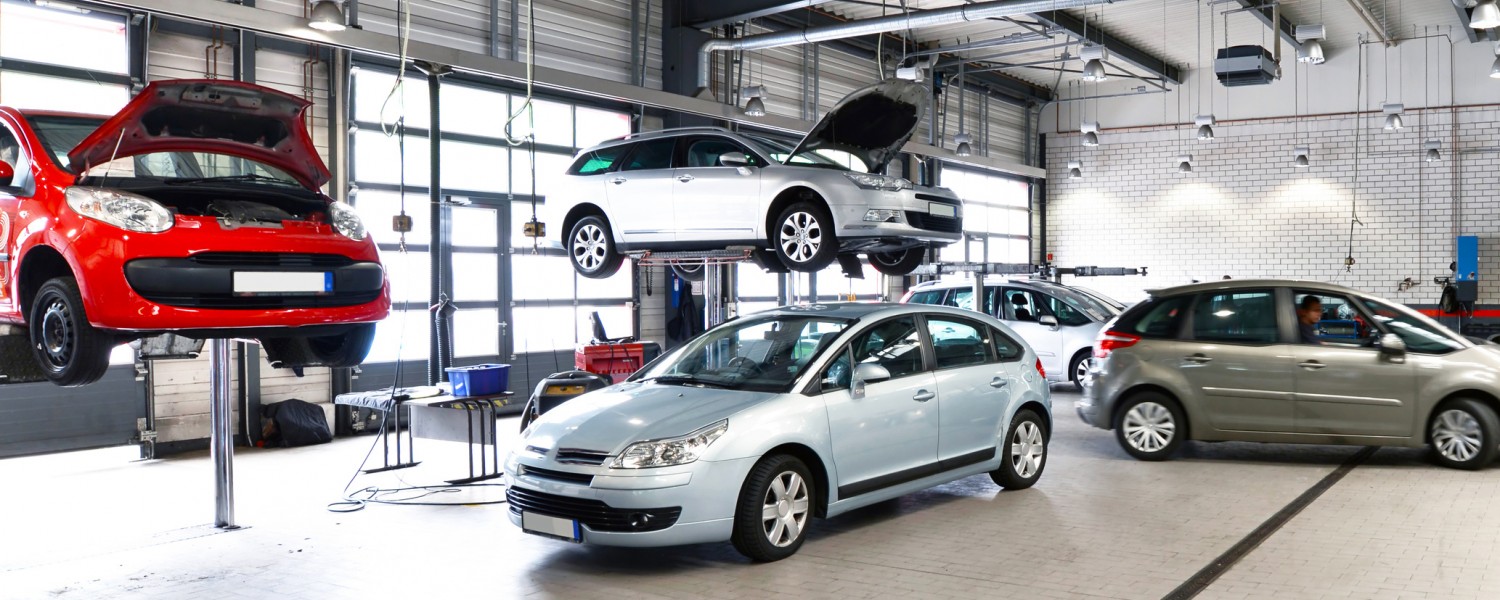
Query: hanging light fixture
{"type": "Point", "coordinates": [1495, 68]}
{"type": "Point", "coordinates": [1093, 58]}
{"type": "Point", "coordinates": [1075, 170]}
{"type": "Point", "coordinates": [1205, 127]}
{"type": "Point", "coordinates": [754, 107]}
{"type": "Point", "coordinates": [327, 15]}
{"type": "Point", "coordinates": [964, 143]}
{"type": "Point", "coordinates": [1393, 116]}
{"type": "Point", "coordinates": [1301, 160]}
{"type": "Point", "coordinates": [1090, 131]}
{"type": "Point", "coordinates": [1311, 51]}
{"type": "Point", "coordinates": [1432, 150]}
{"type": "Point", "coordinates": [1486, 15]}
{"type": "Point", "coordinates": [1185, 163]}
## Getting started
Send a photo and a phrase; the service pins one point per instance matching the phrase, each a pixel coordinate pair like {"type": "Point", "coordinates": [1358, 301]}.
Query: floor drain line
{"type": "Point", "coordinates": [1220, 565]}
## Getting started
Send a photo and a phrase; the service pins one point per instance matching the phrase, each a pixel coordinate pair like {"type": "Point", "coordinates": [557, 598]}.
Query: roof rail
{"type": "Point", "coordinates": [675, 131]}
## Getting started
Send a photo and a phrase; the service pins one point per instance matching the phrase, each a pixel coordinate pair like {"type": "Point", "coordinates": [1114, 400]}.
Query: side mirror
{"type": "Point", "coordinates": [7, 173]}
{"type": "Point", "coordinates": [734, 159]}
{"type": "Point", "coordinates": [1048, 320]}
{"type": "Point", "coordinates": [865, 374]}
{"type": "Point", "coordinates": [1390, 345]}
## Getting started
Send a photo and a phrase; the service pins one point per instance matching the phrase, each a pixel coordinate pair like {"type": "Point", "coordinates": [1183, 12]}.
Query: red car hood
{"type": "Point", "coordinates": [209, 115]}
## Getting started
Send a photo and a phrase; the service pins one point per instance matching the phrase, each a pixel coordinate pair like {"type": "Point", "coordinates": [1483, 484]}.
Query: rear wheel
{"type": "Point", "coordinates": [804, 237]}
{"type": "Point", "coordinates": [334, 351]}
{"type": "Point", "coordinates": [1150, 426]}
{"type": "Point", "coordinates": [1465, 434]}
{"type": "Point", "coordinates": [1025, 452]}
{"type": "Point", "coordinates": [900, 262]}
{"type": "Point", "coordinates": [1079, 370]}
{"type": "Point", "coordinates": [591, 246]}
{"type": "Point", "coordinates": [775, 506]}
{"type": "Point", "coordinates": [69, 350]}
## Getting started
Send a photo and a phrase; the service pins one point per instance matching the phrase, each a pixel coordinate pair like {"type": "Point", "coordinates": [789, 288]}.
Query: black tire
{"type": "Point", "coordinates": [1152, 447]}
{"type": "Point", "coordinates": [1081, 360]}
{"type": "Point", "coordinates": [333, 351]}
{"type": "Point", "coordinates": [750, 536]}
{"type": "Point", "coordinates": [803, 237]}
{"type": "Point", "coordinates": [690, 272]}
{"type": "Point", "coordinates": [69, 350]}
{"type": "Point", "coordinates": [1464, 434]}
{"type": "Point", "coordinates": [1027, 431]}
{"type": "Point", "coordinates": [899, 263]}
{"type": "Point", "coordinates": [591, 248]}
{"type": "Point", "coordinates": [1448, 300]}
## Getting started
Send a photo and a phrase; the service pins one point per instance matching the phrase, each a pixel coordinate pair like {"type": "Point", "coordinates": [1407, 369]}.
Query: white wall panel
{"type": "Point", "coordinates": [291, 73]}
{"type": "Point", "coordinates": [592, 37]}
{"type": "Point", "coordinates": [177, 56]}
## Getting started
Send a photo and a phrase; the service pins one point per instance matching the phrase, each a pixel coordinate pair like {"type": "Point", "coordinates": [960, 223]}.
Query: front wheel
{"type": "Point", "coordinates": [1025, 452]}
{"type": "Point", "coordinates": [69, 350]}
{"type": "Point", "coordinates": [775, 504]}
{"type": "Point", "coordinates": [1150, 426]}
{"type": "Point", "coordinates": [804, 237]}
{"type": "Point", "coordinates": [900, 262]}
{"type": "Point", "coordinates": [591, 246]}
{"type": "Point", "coordinates": [1465, 434]}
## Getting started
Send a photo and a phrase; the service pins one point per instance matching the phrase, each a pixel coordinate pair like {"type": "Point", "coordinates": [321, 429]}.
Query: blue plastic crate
{"type": "Point", "coordinates": [479, 380]}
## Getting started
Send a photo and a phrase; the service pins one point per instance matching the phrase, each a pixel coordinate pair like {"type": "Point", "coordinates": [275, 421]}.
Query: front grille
{"type": "Point", "coordinates": [271, 259]}
{"type": "Point", "coordinates": [934, 198]}
{"type": "Point", "coordinates": [597, 515]}
{"type": "Point", "coordinates": [549, 474]}
{"type": "Point", "coordinates": [580, 457]}
{"type": "Point", "coordinates": [922, 220]}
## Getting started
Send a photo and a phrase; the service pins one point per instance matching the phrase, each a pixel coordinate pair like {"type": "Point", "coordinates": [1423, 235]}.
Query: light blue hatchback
{"type": "Point", "coordinates": [750, 429]}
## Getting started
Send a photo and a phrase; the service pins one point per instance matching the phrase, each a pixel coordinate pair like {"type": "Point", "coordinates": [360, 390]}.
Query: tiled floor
{"type": "Point", "coordinates": [1098, 525]}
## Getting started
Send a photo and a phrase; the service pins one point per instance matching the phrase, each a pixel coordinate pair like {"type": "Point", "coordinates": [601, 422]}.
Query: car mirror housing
{"type": "Point", "coordinates": [1391, 345]}
{"type": "Point", "coordinates": [734, 159]}
{"type": "Point", "coordinates": [1047, 320]}
{"type": "Point", "coordinates": [7, 173]}
{"type": "Point", "coordinates": [871, 373]}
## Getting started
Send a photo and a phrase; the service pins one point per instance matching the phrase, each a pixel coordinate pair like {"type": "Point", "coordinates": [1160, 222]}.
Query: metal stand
{"type": "Point", "coordinates": [221, 436]}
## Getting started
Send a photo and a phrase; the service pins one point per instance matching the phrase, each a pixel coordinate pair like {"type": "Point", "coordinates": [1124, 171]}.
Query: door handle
{"type": "Point", "coordinates": [617, 180]}
{"type": "Point", "coordinates": [684, 178]}
{"type": "Point", "coordinates": [1198, 359]}
{"type": "Point", "coordinates": [1311, 365]}
{"type": "Point", "coordinates": [923, 396]}
{"type": "Point", "coordinates": [998, 382]}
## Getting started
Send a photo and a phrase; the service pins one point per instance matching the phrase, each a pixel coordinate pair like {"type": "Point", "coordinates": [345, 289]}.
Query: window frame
{"type": "Point", "coordinates": [685, 145]}
{"type": "Point", "coordinates": [1279, 328]}
{"type": "Point", "coordinates": [979, 328]}
{"type": "Point", "coordinates": [620, 165]}
{"type": "Point", "coordinates": [1365, 344]}
{"type": "Point", "coordinates": [924, 344]}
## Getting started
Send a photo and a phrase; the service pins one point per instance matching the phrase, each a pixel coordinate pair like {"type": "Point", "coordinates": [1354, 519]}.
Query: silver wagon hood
{"type": "Point", "coordinates": [872, 123]}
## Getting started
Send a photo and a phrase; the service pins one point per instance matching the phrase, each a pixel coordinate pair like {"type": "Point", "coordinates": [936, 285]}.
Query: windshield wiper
{"type": "Point", "coordinates": [686, 379]}
{"type": "Point", "coordinates": [245, 177]}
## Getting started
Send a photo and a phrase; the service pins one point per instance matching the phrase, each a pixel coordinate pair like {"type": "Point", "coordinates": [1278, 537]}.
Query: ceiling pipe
{"type": "Point", "coordinates": [1017, 38]}
{"type": "Point", "coordinates": [943, 16]}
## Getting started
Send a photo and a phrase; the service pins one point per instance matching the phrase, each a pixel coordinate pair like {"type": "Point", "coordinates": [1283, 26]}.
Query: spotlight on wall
{"type": "Point", "coordinates": [1090, 131]}
{"type": "Point", "coordinates": [1205, 127]}
{"type": "Point", "coordinates": [1393, 116]}
{"type": "Point", "coordinates": [1495, 68]}
{"type": "Point", "coordinates": [754, 107]}
{"type": "Point", "coordinates": [1301, 160]}
{"type": "Point", "coordinates": [1312, 49]}
{"type": "Point", "coordinates": [965, 144]}
{"type": "Point", "coordinates": [1185, 163]}
{"type": "Point", "coordinates": [1486, 15]}
{"type": "Point", "coordinates": [1075, 170]}
{"type": "Point", "coordinates": [327, 15]}
{"type": "Point", "coordinates": [1093, 58]}
{"type": "Point", "coordinates": [1432, 150]}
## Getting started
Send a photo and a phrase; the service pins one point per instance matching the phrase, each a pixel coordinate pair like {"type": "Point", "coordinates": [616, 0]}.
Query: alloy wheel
{"type": "Point", "coordinates": [1027, 450]}
{"type": "Point", "coordinates": [589, 247]}
{"type": "Point", "coordinates": [801, 236]}
{"type": "Point", "coordinates": [784, 513]}
{"type": "Point", "coordinates": [1082, 371]}
{"type": "Point", "coordinates": [1149, 427]}
{"type": "Point", "coordinates": [1456, 435]}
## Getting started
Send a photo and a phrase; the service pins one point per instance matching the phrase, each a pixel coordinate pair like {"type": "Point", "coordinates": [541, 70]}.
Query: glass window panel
{"type": "Point", "coordinates": [476, 332]}
{"type": "Point", "coordinates": [596, 126]}
{"type": "Point", "coordinates": [554, 123]}
{"type": "Point", "coordinates": [377, 159]}
{"type": "Point", "coordinates": [371, 89]}
{"type": "Point", "coordinates": [650, 155]}
{"type": "Point", "coordinates": [1421, 335]}
{"type": "Point", "coordinates": [376, 208]}
{"type": "Point", "coordinates": [755, 282]}
{"type": "Point", "coordinates": [537, 277]}
{"type": "Point", "coordinates": [402, 334]}
{"type": "Point", "coordinates": [476, 227]}
{"type": "Point", "coordinates": [616, 286]}
{"type": "Point", "coordinates": [122, 355]}
{"type": "Point", "coordinates": [473, 167]}
{"type": "Point", "coordinates": [409, 274]}
{"type": "Point", "coordinates": [551, 171]}
{"type": "Point", "coordinates": [94, 41]}
{"type": "Point", "coordinates": [1236, 317]}
{"type": "Point", "coordinates": [24, 90]}
{"type": "Point", "coordinates": [894, 344]}
{"type": "Point", "coordinates": [476, 276]}
{"type": "Point", "coordinates": [957, 343]}
{"type": "Point", "coordinates": [473, 110]}
{"type": "Point", "coordinates": [541, 329]}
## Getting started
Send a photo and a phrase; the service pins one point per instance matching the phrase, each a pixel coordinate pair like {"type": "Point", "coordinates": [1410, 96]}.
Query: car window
{"type": "Point", "coordinates": [1159, 317]}
{"type": "Point", "coordinates": [1021, 305]}
{"type": "Point", "coordinates": [961, 298]}
{"type": "Point", "coordinates": [894, 344]}
{"type": "Point", "coordinates": [838, 375]}
{"type": "Point", "coordinates": [957, 342]}
{"type": "Point", "coordinates": [705, 152]}
{"type": "Point", "coordinates": [928, 297]}
{"type": "Point", "coordinates": [597, 161]}
{"type": "Point", "coordinates": [1239, 316]}
{"type": "Point", "coordinates": [1419, 334]}
{"type": "Point", "coordinates": [1066, 313]}
{"type": "Point", "coordinates": [651, 154]}
{"type": "Point", "coordinates": [1340, 322]}
{"type": "Point", "coordinates": [1007, 349]}
{"type": "Point", "coordinates": [11, 154]}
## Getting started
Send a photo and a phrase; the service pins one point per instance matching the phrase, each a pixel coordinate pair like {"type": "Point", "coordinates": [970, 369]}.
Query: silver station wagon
{"type": "Point", "coordinates": [1291, 361]}
{"type": "Point", "coordinates": [749, 430]}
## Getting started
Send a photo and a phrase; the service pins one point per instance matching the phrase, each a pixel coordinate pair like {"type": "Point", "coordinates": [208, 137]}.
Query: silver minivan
{"type": "Point", "coordinates": [1058, 321]}
{"type": "Point", "coordinates": [1291, 362]}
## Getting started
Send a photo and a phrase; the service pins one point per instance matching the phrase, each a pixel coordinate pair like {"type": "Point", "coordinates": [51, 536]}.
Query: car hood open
{"type": "Point", "coordinates": [209, 115]}
{"type": "Point", "coordinates": [872, 123]}
{"type": "Point", "coordinates": [612, 418]}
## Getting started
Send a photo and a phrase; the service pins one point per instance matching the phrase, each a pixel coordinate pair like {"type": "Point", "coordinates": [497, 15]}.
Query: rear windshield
{"type": "Point", "coordinates": [1155, 318]}
{"type": "Point", "coordinates": [597, 161]}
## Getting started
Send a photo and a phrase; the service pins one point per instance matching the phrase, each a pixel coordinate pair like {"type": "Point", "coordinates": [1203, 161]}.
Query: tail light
{"type": "Point", "coordinates": [1109, 341]}
{"type": "Point", "coordinates": [1040, 370]}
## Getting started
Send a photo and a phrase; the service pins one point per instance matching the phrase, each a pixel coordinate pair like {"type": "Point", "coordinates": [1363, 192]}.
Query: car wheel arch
{"type": "Point", "coordinates": [40, 264]}
{"type": "Point", "coordinates": [786, 197]}
{"type": "Point", "coordinates": [1035, 407]}
{"type": "Point", "coordinates": [820, 473]}
{"type": "Point", "coordinates": [1482, 397]}
{"type": "Point", "coordinates": [576, 214]}
{"type": "Point", "coordinates": [1083, 353]}
{"type": "Point", "coordinates": [1187, 424]}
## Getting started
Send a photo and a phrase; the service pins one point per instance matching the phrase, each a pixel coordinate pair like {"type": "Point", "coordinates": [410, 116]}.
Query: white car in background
{"type": "Point", "coordinates": [1059, 322]}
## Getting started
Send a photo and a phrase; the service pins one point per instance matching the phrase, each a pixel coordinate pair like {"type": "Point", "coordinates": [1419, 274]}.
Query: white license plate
{"type": "Point", "coordinates": [550, 526]}
{"type": "Point", "coordinates": [942, 210]}
{"type": "Point", "coordinates": [254, 283]}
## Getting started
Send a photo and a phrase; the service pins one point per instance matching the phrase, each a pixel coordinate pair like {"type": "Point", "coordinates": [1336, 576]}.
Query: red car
{"type": "Point", "coordinates": [196, 210]}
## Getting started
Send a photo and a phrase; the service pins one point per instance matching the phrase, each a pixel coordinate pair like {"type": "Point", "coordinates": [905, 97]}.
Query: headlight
{"type": "Point", "coordinates": [882, 215]}
{"type": "Point", "coordinates": [346, 221]}
{"type": "Point", "coordinates": [670, 452]}
{"type": "Point", "coordinates": [131, 212]}
{"type": "Point", "coordinates": [871, 181]}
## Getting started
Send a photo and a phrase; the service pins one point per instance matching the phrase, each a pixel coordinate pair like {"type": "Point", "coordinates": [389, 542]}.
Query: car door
{"type": "Point", "coordinates": [714, 202]}
{"type": "Point", "coordinates": [1237, 362]}
{"type": "Point", "coordinates": [887, 430]}
{"type": "Point", "coordinates": [12, 190]}
{"type": "Point", "coordinates": [1345, 384]}
{"type": "Point", "coordinates": [640, 194]}
{"type": "Point", "coordinates": [973, 387]}
{"type": "Point", "coordinates": [1021, 310]}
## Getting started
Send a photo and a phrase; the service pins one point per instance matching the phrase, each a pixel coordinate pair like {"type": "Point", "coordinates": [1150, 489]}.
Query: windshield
{"type": "Point", "coordinates": [1419, 333]}
{"type": "Point", "coordinates": [1114, 305]}
{"type": "Point", "coordinates": [760, 354]}
{"type": "Point", "coordinates": [60, 135]}
{"type": "Point", "coordinates": [826, 159]}
{"type": "Point", "coordinates": [1086, 303]}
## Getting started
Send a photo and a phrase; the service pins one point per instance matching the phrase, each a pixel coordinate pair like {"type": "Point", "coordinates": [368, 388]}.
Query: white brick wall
{"type": "Point", "coordinates": [1246, 212]}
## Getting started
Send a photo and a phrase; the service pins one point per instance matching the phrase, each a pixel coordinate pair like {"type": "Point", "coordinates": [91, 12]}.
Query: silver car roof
{"type": "Point", "coordinates": [860, 310]}
{"type": "Point", "coordinates": [1240, 284]}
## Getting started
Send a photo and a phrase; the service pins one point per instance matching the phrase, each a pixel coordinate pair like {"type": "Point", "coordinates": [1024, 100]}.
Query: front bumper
{"type": "Point", "coordinates": [922, 217]}
{"type": "Point", "coordinates": [671, 506]}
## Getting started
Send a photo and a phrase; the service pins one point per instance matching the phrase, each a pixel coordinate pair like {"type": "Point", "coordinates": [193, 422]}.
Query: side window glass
{"type": "Point", "coordinates": [705, 152]}
{"type": "Point", "coordinates": [1240, 316]}
{"type": "Point", "coordinates": [894, 344]}
{"type": "Point", "coordinates": [10, 153]}
{"type": "Point", "coordinates": [651, 154]}
{"type": "Point", "coordinates": [598, 161]}
{"type": "Point", "coordinates": [961, 298]}
{"type": "Point", "coordinates": [928, 297]}
{"type": "Point", "coordinates": [839, 373]}
{"type": "Point", "coordinates": [1330, 319]}
{"type": "Point", "coordinates": [1163, 318]}
{"type": "Point", "coordinates": [957, 343]}
{"type": "Point", "coordinates": [1419, 335]}
{"type": "Point", "coordinates": [1066, 314]}
{"type": "Point", "coordinates": [1021, 306]}
{"type": "Point", "coordinates": [1006, 348]}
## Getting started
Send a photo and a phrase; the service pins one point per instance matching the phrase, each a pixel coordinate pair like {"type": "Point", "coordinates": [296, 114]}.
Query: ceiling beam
{"type": "Point", "coordinates": [1463, 23]}
{"type": "Point", "coordinates": [701, 14]}
{"type": "Point", "coordinates": [1118, 48]}
{"type": "Point", "coordinates": [1287, 30]}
